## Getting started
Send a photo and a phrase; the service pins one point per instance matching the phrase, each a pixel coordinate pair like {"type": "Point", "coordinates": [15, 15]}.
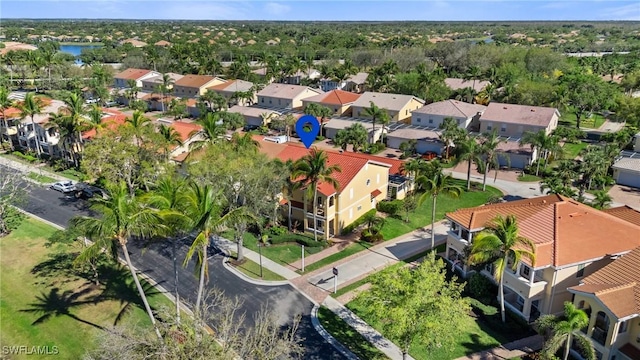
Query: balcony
{"type": "Point", "coordinates": [458, 237]}
{"type": "Point", "coordinates": [523, 282]}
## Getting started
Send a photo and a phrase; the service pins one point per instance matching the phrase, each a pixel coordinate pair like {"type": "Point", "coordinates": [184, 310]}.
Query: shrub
{"type": "Point", "coordinates": [27, 157]}
{"type": "Point", "coordinates": [486, 310]}
{"type": "Point", "coordinates": [372, 237]}
{"type": "Point", "coordinates": [277, 230]}
{"type": "Point", "coordinates": [320, 138]}
{"type": "Point", "coordinates": [392, 207]}
{"type": "Point", "coordinates": [288, 238]}
{"type": "Point", "coordinates": [480, 287]}
{"type": "Point", "coordinates": [376, 148]}
{"type": "Point", "coordinates": [349, 228]}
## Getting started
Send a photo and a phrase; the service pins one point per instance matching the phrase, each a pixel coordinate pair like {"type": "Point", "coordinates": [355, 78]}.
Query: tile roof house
{"type": "Point", "coordinates": [332, 127]}
{"type": "Point", "coordinates": [432, 115]}
{"type": "Point", "coordinates": [626, 213]}
{"type": "Point", "coordinates": [513, 120]}
{"type": "Point", "coordinates": [626, 171]}
{"type": "Point", "coordinates": [255, 116]}
{"type": "Point", "coordinates": [189, 133]}
{"type": "Point", "coordinates": [362, 183]}
{"type": "Point", "coordinates": [611, 299]}
{"type": "Point", "coordinates": [284, 96]}
{"type": "Point", "coordinates": [152, 84]}
{"type": "Point", "coordinates": [135, 42]}
{"type": "Point", "coordinates": [456, 84]}
{"type": "Point", "coordinates": [337, 100]}
{"type": "Point", "coordinates": [121, 79]}
{"type": "Point", "coordinates": [398, 106]}
{"type": "Point", "coordinates": [298, 76]}
{"type": "Point", "coordinates": [231, 87]}
{"type": "Point", "coordinates": [355, 83]}
{"type": "Point", "coordinates": [162, 43]}
{"type": "Point", "coordinates": [426, 140]}
{"type": "Point", "coordinates": [571, 240]}
{"type": "Point", "coordinates": [191, 86]}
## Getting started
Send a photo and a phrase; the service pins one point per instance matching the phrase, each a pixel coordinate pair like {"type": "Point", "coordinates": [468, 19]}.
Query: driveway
{"type": "Point", "coordinates": [626, 195]}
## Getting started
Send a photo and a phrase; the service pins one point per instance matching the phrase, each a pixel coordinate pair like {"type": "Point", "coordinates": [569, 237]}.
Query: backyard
{"type": "Point", "coordinates": [571, 150]}
{"type": "Point", "coordinates": [594, 122]}
{"type": "Point", "coordinates": [46, 302]}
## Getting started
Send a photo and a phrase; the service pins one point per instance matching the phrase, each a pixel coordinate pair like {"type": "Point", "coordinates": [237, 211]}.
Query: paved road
{"type": "Point", "coordinates": [156, 262]}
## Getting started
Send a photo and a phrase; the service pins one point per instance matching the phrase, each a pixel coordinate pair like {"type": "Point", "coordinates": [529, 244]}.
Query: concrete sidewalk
{"type": "Point", "coordinates": [27, 168]}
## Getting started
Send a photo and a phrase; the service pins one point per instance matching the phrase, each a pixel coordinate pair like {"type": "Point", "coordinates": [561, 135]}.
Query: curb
{"type": "Point", "coordinates": [249, 279]}
{"type": "Point", "coordinates": [328, 337]}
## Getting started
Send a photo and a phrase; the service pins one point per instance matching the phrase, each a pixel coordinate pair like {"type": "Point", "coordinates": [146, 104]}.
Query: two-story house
{"type": "Point", "coordinates": [337, 100]}
{"type": "Point", "coordinates": [300, 75]}
{"type": "Point", "coordinates": [457, 84]}
{"type": "Point", "coordinates": [398, 106]}
{"type": "Point", "coordinates": [232, 88]}
{"type": "Point", "coordinates": [121, 80]}
{"type": "Point", "coordinates": [572, 240]}
{"type": "Point", "coordinates": [284, 96]}
{"type": "Point", "coordinates": [192, 86]}
{"type": "Point", "coordinates": [332, 127]}
{"type": "Point", "coordinates": [611, 299]}
{"type": "Point", "coordinates": [255, 116]}
{"type": "Point", "coordinates": [432, 115]}
{"type": "Point", "coordinates": [361, 184]}
{"type": "Point", "coordinates": [511, 120]}
{"type": "Point", "coordinates": [152, 84]}
{"type": "Point", "coordinates": [355, 83]}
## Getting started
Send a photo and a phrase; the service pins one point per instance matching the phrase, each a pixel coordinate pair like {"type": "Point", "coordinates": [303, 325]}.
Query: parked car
{"type": "Point", "coordinates": [92, 101]}
{"type": "Point", "coordinates": [110, 104]}
{"type": "Point", "coordinates": [91, 191]}
{"type": "Point", "coordinates": [64, 186]}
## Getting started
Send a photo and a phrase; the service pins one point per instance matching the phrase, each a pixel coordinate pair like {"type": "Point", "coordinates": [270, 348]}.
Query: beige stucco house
{"type": "Point", "coordinates": [337, 100]}
{"type": "Point", "coordinates": [121, 79]}
{"type": "Point", "coordinates": [398, 106]}
{"type": "Point", "coordinates": [285, 96]}
{"type": "Point", "coordinates": [191, 86]}
{"type": "Point", "coordinates": [572, 241]}
{"type": "Point", "coordinates": [432, 115]}
{"type": "Point", "coordinates": [611, 299]}
{"type": "Point", "coordinates": [152, 84]}
{"type": "Point", "coordinates": [230, 88]}
{"type": "Point", "coordinates": [513, 120]}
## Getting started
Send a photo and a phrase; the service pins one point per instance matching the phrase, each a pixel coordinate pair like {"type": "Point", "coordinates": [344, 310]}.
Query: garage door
{"type": "Point", "coordinates": [629, 179]}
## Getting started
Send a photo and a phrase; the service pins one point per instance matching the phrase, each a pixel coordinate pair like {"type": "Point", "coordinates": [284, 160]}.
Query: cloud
{"type": "Point", "coordinates": [625, 12]}
{"type": "Point", "coordinates": [276, 8]}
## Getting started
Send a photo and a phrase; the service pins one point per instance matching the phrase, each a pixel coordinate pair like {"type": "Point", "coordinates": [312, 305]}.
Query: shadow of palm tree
{"type": "Point", "coordinates": [55, 304]}
{"type": "Point", "coordinates": [119, 286]}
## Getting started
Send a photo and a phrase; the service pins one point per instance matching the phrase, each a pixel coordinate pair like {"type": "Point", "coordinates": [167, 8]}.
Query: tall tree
{"type": "Point", "coordinates": [139, 124]}
{"type": "Point", "coordinates": [501, 244]}
{"type": "Point", "coordinates": [489, 145]}
{"type": "Point", "coordinates": [565, 330]}
{"type": "Point", "coordinates": [321, 112]}
{"type": "Point", "coordinates": [434, 186]}
{"type": "Point", "coordinates": [546, 146]}
{"type": "Point", "coordinates": [5, 104]}
{"type": "Point", "coordinates": [450, 134]}
{"type": "Point", "coordinates": [171, 138]}
{"type": "Point", "coordinates": [375, 113]}
{"type": "Point", "coordinates": [165, 88]}
{"type": "Point", "coordinates": [121, 217]}
{"type": "Point", "coordinates": [586, 93]}
{"type": "Point", "coordinates": [469, 149]}
{"type": "Point", "coordinates": [416, 305]}
{"type": "Point", "coordinates": [313, 169]}
{"type": "Point", "coordinates": [31, 107]}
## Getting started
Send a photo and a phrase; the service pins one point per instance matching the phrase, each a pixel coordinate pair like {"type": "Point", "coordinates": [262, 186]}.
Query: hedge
{"type": "Point", "coordinates": [359, 221]}
{"type": "Point", "coordinates": [392, 207]}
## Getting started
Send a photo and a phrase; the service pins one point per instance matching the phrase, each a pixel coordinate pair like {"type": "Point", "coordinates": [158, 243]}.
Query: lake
{"type": "Point", "coordinates": [76, 50]}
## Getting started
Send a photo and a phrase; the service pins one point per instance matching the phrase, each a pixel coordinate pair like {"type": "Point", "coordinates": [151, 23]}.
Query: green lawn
{"type": "Point", "coordinates": [528, 178]}
{"type": "Point", "coordinates": [570, 151]}
{"type": "Point", "coordinates": [43, 179]}
{"type": "Point", "coordinates": [252, 270]}
{"type": "Point", "coordinates": [46, 302]}
{"type": "Point", "coordinates": [569, 119]}
{"type": "Point", "coordinates": [347, 336]}
{"type": "Point", "coordinates": [421, 217]}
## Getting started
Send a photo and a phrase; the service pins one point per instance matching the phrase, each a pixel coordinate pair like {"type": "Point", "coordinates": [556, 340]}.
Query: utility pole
{"type": "Point", "coordinates": [302, 258]}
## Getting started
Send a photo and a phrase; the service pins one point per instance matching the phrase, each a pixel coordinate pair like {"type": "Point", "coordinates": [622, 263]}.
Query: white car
{"type": "Point", "coordinates": [92, 101]}
{"type": "Point", "coordinates": [64, 186]}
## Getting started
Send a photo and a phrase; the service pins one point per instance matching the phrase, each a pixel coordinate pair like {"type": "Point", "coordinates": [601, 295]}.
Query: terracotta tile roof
{"type": "Point", "coordinates": [334, 97]}
{"type": "Point", "coordinates": [192, 102]}
{"type": "Point", "coordinates": [111, 122]}
{"type": "Point", "coordinates": [376, 192]}
{"type": "Point", "coordinates": [514, 147]}
{"type": "Point", "coordinates": [616, 285]}
{"type": "Point", "coordinates": [194, 81]}
{"type": "Point", "coordinates": [185, 129]}
{"type": "Point", "coordinates": [11, 112]}
{"type": "Point", "coordinates": [388, 101]}
{"type": "Point", "coordinates": [519, 114]}
{"type": "Point", "coordinates": [626, 213]}
{"type": "Point", "coordinates": [452, 108]}
{"type": "Point", "coordinates": [132, 74]}
{"type": "Point", "coordinates": [396, 165]}
{"type": "Point", "coordinates": [564, 231]}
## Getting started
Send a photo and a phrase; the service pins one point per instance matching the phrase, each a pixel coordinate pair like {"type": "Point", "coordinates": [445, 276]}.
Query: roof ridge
{"type": "Point", "coordinates": [615, 287]}
{"type": "Point", "coordinates": [556, 235]}
{"type": "Point", "coordinates": [453, 102]}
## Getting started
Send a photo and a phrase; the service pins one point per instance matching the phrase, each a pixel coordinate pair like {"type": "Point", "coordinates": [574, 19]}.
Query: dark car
{"type": "Point", "coordinates": [89, 192]}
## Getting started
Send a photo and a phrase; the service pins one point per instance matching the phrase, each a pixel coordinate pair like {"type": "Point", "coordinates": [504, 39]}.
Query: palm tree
{"type": "Point", "coordinates": [138, 123]}
{"type": "Point", "coordinates": [121, 217]}
{"type": "Point", "coordinates": [473, 73]}
{"type": "Point", "coordinates": [32, 106]}
{"type": "Point", "coordinates": [290, 187]}
{"type": "Point", "coordinates": [502, 244]}
{"type": "Point", "coordinates": [601, 200]}
{"type": "Point", "coordinates": [438, 184]}
{"type": "Point", "coordinates": [5, 103]}
{"type": "Point", "coordinates": [412, 168]}
{"type": "Point", "coordinates": [165, 88]}
{"type": "Point", "coordinates": [564, 330]}
{"type": "Point", "coordinates": [375, 113]}
{"type": "Point", "coordinates": [313, 169]}
{"type": "Point", "coordinates": [169, 196]}
{"type": "Point", "coordinates": [450, 134]}
{"type": "Point", "coordinates": [320, 112]}
{"type": "Point", "coordinates": [171, 137]}
{"type": "Point", "coordinates": [132, 90]}
{"type": "Point", "coordinates": [244, 142]}
{"type": "Point", "coordinates": [489, 148]}
{"type": "Point", "coordinates": [205, 207]}
{"type": "Point", "coordinates": [212, 130]}
{"type": "Point", "coordinates": [469, 150]}
{"type": "Point", "coordinates": [545, 145]}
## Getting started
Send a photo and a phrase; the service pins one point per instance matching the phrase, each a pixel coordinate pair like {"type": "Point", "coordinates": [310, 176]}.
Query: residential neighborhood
{"type": "Point", "coordinates": [212, 189]}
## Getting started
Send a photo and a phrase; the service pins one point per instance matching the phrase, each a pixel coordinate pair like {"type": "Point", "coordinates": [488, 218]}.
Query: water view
{"type": "Point", "coordinates": [76, 50]}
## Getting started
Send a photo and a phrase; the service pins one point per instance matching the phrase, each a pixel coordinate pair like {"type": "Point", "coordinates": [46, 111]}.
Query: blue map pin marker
{"type": "Point", "coordinates": [307, 127]}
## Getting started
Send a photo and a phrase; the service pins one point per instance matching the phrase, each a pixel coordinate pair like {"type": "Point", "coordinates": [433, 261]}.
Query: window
{"type": "Point", "coordinates": [525, 271]}
{"type": "Point", "coordinates": [359, 207]}
{"type": "Point", "coordinates": [580, 272]}
{"type": "Point", "coordinates": [368, 182]}
{"type": "Point", "coordinates": [430, 121]}
{"type": "Point", "coordinates": [489, 126]}
{"type": "Point", "coordinates": [623, 327]}
{"type": "Point", "coordinates": [503, 128]}
{"type": "Point", "coordinates": [262, 100]}
{"type": "Point", "coordinates": [331, 201]}
{"type": "Point", "coordinates": [418, 120]}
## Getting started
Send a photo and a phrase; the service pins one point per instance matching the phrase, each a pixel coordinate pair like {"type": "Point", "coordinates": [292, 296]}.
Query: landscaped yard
{"type": "Point", "coordinates": [569, 119]}
{"type": "Point", "coordinates": [44, 303]}
{"type": "Point", "coordinates": [528, 178]}
{"type": "Point", "coordinates": [570, 150]}
{"type": "Point", "coordinates": [347, 336]}
{"type": "Point", "coordinates": [252, 270]}
{"type": "Point", "coordinates": [421, 217]}
{"type": "Point", "coordinates": [43, 179]}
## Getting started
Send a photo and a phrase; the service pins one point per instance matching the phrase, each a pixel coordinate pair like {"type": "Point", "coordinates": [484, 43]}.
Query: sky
{"type": "Point", "coordinates": [358, 10]}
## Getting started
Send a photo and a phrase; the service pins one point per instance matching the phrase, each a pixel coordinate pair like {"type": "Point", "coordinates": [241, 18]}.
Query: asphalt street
{"type": "Point", "coordinates": [155, 261]}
